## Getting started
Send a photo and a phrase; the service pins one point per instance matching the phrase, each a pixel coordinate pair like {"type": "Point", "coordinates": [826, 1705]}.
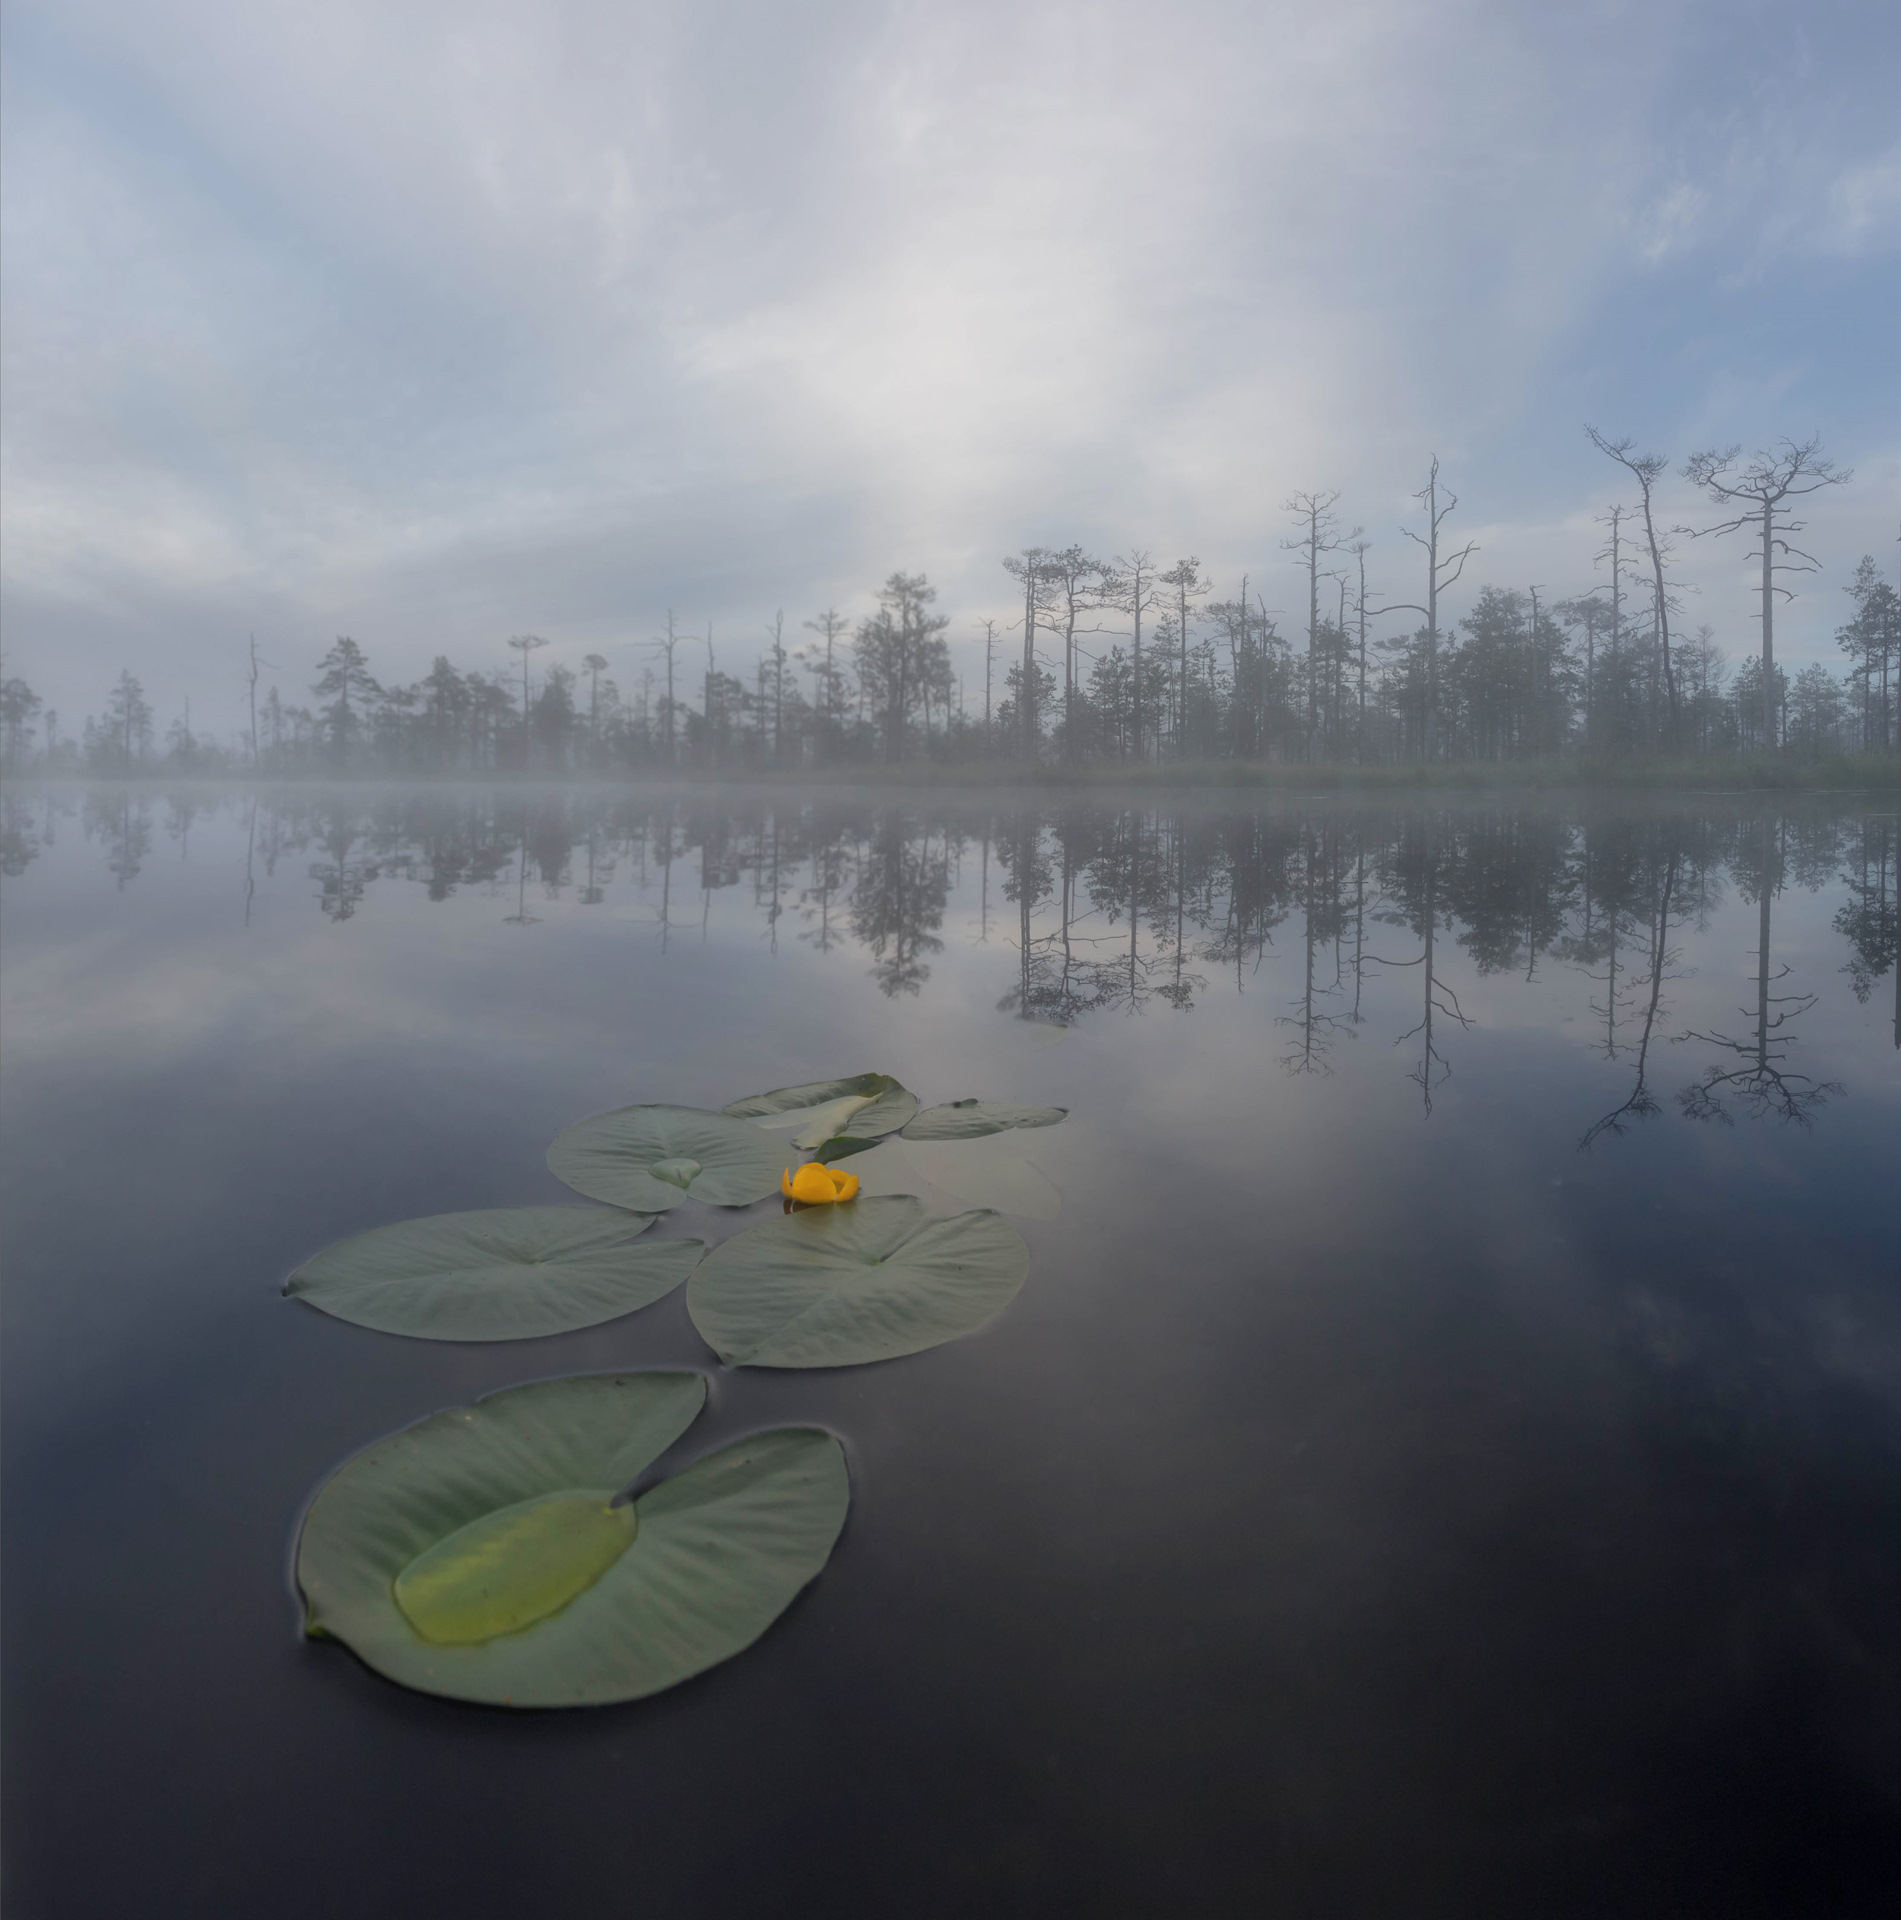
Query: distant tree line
{"type": "Point", "coordinates": [1118, 660]}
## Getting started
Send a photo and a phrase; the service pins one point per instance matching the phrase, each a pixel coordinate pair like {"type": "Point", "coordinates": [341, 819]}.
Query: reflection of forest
{"type": "Point", "coordinates": [1127, 910]}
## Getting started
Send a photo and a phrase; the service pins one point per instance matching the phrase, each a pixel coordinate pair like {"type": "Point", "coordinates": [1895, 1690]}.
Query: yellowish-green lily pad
{"type": "Point", "coordinates": [485, 1554]}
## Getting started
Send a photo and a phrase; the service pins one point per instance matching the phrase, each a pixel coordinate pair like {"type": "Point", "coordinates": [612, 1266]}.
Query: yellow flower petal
{"type": "Point", "coordinates": [813, 1185]}
{"type": "Point", "coordinates": [847, 1186]}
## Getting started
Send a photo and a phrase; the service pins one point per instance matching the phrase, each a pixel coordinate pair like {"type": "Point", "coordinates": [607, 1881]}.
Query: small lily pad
{"type": "Point", "coordinates": [972, 1119]}
{"type": "Point", "coordinates": [505, 1273]}
{"type": "Point", "coordinates": [648, 1158]}
{"type": "Point", "coordinates": [484, 1553]}
{"type": "Point", "coordinates": [839, 1286]}
{"type": "Point", "coordinates": [832, 1118]}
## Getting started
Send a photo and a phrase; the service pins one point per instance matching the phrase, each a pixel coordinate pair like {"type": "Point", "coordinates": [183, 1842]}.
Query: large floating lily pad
{"type": "Point", "coordinates": [832, 1118]}
{"type": "Point", "coordinates": [838, 1286]}
{"type": "Point", "coordinates": [480, 1553]}
{"type": "Point", "coordinates": [972, 1119]}
{"type": "Point", "coordinates": [507, 1273]}
{"type": "Point", "coordinates": [649, 1158]}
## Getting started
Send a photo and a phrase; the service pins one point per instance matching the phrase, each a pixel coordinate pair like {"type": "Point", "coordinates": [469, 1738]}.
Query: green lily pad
{"type": "Point", "coordinates": [839, 1286]}
{"type": "Point", "coordinates": [832, 1118]}
{"type": "Point", "coordinates": [507, 1273]}
{"type": "Point", "coordinates": [483, 1553]}
{"type": "Point", "coordinates": [648, 1158]}
{"type": "Point", "coordinates": [972, 1119]}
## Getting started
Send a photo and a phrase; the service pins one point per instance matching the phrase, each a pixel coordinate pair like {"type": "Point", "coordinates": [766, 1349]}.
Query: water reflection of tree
{"type": "Point", "coordinates": [1132, 908]}
{"type": "Point", "coordinates": [1259, 894]}
{"type": "Point", "coordinates": [1870, 920]}
{"type": "Point", "coordinates": [1761, 1082]}
{"type": "Point", "coordinates": [343, 874]}
{"type": "Point", "coordinates": [1613, 897]}
{"type": "Point", "coordinates": [1120, 880]}
{"type": "Point", "coordinates": [19, 836]}
{"type": "Point", "coordinates": [123, 820]}
{"type": "Point", "coordinates": [1058, 976]}
{"type": "Point", "coordinates": [1642, 1103]}
{"type": "Point", "coordinates": [1316, 1024]}
{"type": "Point", "coordinates": [1415, 893]}
{"type": "Point", "coordinates": [600, 863]}
{"type": "Point", "coordinates": [830, 869]}
{"type": "Point", "coordinates": [1510, 881]}
{"type": "Point", "coordinates": [898, 902]}
{"type": "Point", "coordinates": [181, 815]}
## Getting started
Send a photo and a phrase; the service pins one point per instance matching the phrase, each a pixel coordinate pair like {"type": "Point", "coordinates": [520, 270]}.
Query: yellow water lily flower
{"type": "Point", "coordinates": [817, 1186]}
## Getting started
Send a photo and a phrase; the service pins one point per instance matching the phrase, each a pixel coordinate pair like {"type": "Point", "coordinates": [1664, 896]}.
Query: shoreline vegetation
{"type": "Point", "coordinates": [1707, 774]}
{"type": "Point", "coordinates": [1118, 672]}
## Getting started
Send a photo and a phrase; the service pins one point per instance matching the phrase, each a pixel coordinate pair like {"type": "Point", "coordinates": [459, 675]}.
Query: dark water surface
{"type": "Point", "coordinates": [1444, 1460]}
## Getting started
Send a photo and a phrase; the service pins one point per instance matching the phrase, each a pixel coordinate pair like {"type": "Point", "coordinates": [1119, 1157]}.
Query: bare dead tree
{"type": "Point", "coordinates": [1441, 572]}
{"type": "Point", "coordinates": [1647, 469]}
{"type": "Point", "coordinates": [525, 644]}
{"type": "Point", "coordinates": [990, 648]}
{"type": "Point", "coordinates": [1320, 533]}
{"type": "Point", "coordinates": [1076, 580]}
{"type": "Point", "coordinates": [666, 644]}
{"type": "Point", "coordinates": [1761, 493]}
{"type": "Point", "coordinates": [256, 662]}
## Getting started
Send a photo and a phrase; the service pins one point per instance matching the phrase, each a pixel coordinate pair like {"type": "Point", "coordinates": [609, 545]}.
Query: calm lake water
{"type": "Point", "coordinates": [1444, 1460]}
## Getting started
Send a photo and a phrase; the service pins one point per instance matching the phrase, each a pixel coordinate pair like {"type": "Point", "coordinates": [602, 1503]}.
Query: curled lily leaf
{"type": "Point", "coordinates": [818, 1186]}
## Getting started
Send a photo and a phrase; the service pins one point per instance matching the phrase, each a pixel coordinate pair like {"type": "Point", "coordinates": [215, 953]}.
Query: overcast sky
{"type": "Point", "coordinates": [438, 321]}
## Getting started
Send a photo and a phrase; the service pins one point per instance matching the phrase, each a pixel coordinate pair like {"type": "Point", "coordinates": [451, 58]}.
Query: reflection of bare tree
{"type": "Point", "coordinates": [1258, 896]}
{"type": "Point", "coordinates": [1762, 1083]}
{"type": "Point", "coordinates": [250, 851]}
{"type": "Point", "coordinates": [1180, 989]}
{"type": "Point", "coordinates": [769, 880]}
{"type": "Point", "coordinates": [521, 917]}
{"type": "Point", "coordinates": [898, 903]}
{"type": "Point", "coordinates": [1642, 1102]}
{"type": "Point", "coordinates": [1612, 888]}
{"type": "Point", "coordinates": [665, 851]}
{"type": "Point", "coordinates": [600, 866]}
{"type": "Point", "coordinates": [1418, 880]}
{"type": "Point", "coordinates": [1054, 983]}
{"type": "Point", "coordinates": [1316, 1025]}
